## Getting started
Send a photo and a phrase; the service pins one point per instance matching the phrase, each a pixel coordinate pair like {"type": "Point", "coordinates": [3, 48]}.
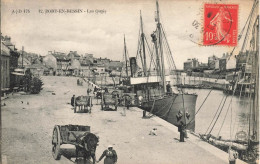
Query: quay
{"type": "Point", "coordinates": [27, 130]}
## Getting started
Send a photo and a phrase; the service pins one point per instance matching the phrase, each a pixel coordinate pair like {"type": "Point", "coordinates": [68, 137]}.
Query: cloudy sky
{"type": "Point", "coordinates": [102, 34]}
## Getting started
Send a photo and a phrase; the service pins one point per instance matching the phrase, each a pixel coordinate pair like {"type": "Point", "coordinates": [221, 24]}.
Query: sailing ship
{"type": "Point", "coordinates": [246, 141]}
{"type": "Point", "coordinates": [155, 96]}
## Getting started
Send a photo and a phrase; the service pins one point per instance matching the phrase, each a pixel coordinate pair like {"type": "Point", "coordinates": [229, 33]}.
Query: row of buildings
{"type": "Point", "coordinates": [224, 63]}
{"type": "Point", "coordinates": [214, 63]}
{"type": "Point", "coordinates": [221, 66]}
{"type": "Point", "coordinates": [14, 63]}
{"type": "Point", "coordinates": [9, 64]}
{"type": "Point", "coordinates": [73, 64]}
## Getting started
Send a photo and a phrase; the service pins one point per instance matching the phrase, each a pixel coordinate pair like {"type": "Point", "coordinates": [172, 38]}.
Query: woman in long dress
{"type": "Point", "coordinates": [111, 156]}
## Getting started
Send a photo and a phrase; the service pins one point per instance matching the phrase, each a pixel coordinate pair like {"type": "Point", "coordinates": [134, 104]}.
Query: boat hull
{"type": "Point", "coordinates": [174, 109]}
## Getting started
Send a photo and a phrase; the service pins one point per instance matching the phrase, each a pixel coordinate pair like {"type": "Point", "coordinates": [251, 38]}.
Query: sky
{"type": "Point", "coordinates": [103, 34]}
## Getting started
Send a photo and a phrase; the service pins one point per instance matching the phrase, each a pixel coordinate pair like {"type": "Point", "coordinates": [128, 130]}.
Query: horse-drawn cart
{"type": "Point", "coordinates": [125, 99]}
{"type": "Point", "coordinates": [84, 103]}
{"type": "Point", "coordinates": [77, 135]}
{"type": "Point", "coordinates": [108, 100]}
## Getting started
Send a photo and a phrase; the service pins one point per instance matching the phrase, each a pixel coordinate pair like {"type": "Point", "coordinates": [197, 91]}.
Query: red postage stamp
{"type": "Point", "coordinates": [220, 24]}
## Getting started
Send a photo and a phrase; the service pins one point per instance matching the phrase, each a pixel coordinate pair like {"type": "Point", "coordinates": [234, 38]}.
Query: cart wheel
{"type": "Point", "coordinates": [56, 142]}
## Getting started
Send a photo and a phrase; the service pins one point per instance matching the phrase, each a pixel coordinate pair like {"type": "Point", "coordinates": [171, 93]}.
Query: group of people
{"type": "Point", "coordinates": [111, 155]}
{"type": "Point", "coordinates": [98, 91]}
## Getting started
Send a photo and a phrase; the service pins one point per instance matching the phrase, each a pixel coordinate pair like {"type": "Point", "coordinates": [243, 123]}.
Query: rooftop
{"type": "Point", "coordinates": [60, 56]}
{"type": "Point", "coordinates": [74, 53]}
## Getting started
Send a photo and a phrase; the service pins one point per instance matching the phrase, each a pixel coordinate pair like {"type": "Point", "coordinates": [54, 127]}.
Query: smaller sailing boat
{"type": "Point", "coordinates": [245, 142]}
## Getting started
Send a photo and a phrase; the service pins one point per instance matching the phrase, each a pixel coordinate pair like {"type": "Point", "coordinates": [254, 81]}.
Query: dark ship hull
{"type": "Point", "coordinates": [175, 108]}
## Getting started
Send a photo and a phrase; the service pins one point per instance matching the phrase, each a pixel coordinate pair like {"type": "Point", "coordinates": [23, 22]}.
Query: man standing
{"type": "Point", "coordinates": [127, 102]}
{"type": "Point", "coordinates": [72, 102]}
{"type": "Point", "coordinates": [88, 91]}
{"type": "Point", "coordinates": [168, 88]}
{"type": "Point", "coordinates": [181, 129]}
{"type": "Point", "coordinates": [95, 91]}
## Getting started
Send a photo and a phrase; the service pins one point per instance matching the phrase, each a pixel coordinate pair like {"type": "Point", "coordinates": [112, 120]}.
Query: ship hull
{"type": "Point", "coordinates": [174, 109]}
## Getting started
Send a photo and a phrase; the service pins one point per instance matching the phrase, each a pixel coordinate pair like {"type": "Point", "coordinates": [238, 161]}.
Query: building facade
{"type": "Point", "coordinates": [114, 66]}
{"type": "Point", "coordinates": [191, 64]}
{"type": "Point", "coordinates": [5, 67]}
{"type": "Point", "coordinates": [13, 62]}
{"type": "Point", "coordinates": [212, 61]}
{"type": "Point", "coordinates": [63, 64]}
{"type": "Point", "coordinates": [86, 70]}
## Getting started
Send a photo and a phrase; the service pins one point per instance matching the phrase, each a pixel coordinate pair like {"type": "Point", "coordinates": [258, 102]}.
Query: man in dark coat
{"type": "Point", "coordinates": [72, 100]}
{"type": "Point", "coordinates": [181, 129]}
{"type": "Point", "coordinates": [168, 88]}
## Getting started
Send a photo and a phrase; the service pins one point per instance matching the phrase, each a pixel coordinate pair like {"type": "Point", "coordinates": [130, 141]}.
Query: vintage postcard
{"type": "Point", "coordinates": [130, 82]}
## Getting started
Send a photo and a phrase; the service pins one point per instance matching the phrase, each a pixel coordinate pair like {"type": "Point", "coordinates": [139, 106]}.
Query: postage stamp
{"type": "Point", "coordinates": [220, 24]}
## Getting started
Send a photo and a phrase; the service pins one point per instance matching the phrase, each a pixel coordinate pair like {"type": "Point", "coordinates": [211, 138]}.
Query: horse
{"type": "Point", "coordinates": [88, 147]}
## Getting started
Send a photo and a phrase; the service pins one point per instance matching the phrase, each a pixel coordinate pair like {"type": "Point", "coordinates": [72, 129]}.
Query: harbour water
{"type": "Point", "coordinates": [231, 120]}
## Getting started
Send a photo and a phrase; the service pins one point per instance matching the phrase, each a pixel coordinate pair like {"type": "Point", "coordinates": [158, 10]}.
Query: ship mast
{"type": "Point", "coordinates": [256, 83]}
{"type": "Point", "coordinates": [143, 44]}
{"type": "Point", "coordinates": [125, 58]}
{"type": "Point", "coordinates": [160, 47]}
{"type": "Point", "coordinates": [158, 67]}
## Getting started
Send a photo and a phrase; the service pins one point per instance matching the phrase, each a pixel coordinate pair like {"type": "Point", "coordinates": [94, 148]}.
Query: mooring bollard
{"type": "Point", "coordinates": [124, 112]}
{"type": "Point", "coordinates": [144, 114]}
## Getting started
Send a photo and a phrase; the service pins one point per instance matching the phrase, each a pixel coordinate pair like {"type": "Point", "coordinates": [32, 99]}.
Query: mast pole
{"type": "Point", "coordinates": [142, 36]}
{"type": "Point", "coordinates": [22, 55]}
{"type": "Point", "coordinates": [161, 48]}
{"type": "Point", "coordinates": [125, 58]}
{"type": "Point", "coordinates": [256, 83]}
{"type": "Point", "coordinates": [154, 40]}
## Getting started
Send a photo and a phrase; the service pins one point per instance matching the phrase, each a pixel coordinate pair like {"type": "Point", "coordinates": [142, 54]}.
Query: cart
{"type": "Point", "coordinates": [84, 104]}
{"type": "Point", "coordinates": [108, 100]}
{"type": "Point", "coordinates": [125, 99]}
{"type": "Point", "coordinates": [85, 142]}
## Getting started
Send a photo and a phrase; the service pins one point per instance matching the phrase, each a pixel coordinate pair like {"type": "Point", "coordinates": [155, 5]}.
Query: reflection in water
{"type": "Point", "coordinates": [237, 115]}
